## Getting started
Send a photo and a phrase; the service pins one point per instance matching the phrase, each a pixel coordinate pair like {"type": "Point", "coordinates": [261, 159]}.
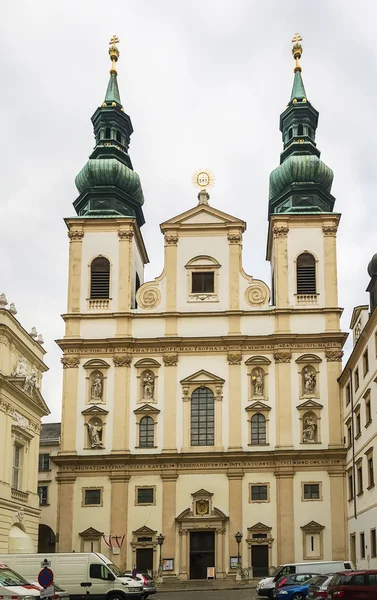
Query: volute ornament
{"type": "Point", "coordinates": [280, 231]}
{"type": "Point", "coordinates": [150, 297]}
{"type": "Point", "coordinates": [74, 234]}
{"type": "Point", "coordinates": [70, 362]}
{"type": "Point", "coordinates": [171, 239]}
{"type": "Point", "coordinates": [234, 238]}
{"type": "Point", "coordinates": [334, 355]}
{"type": "Point", "coordinates": [329, 230]}
{"type": "Point", "coordinates": [234, 358]}
{"type": "Point", "coordinates": [170, 359]}
{"type": "Point", "coordinates": [122, 360]}
{"type": "Point", "coordinates": [283, 356]}
{"type": "Point", "coordinates": [125, 234]}
{"type": "Point", "coordinates": [257, 294]}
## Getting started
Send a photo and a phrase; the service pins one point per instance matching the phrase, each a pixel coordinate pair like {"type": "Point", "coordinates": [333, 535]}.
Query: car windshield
{"type": "Point", "coordinates": [9, 577]}
{"type": "Point", "coordinates": [114, 569]}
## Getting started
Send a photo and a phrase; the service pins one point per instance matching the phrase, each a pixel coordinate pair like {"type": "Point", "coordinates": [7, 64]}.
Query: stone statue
{"type": "Point", "coordinates": [97, 387]}
{"type": "Point", "coordinates": [148, 386]}
{"type": "Point", "coordinates": [95, 434]}
{"type": "Point", "coordinates": [258, 382]}
{"type": "Point", "coordinates": [309, 431]}
{"type": "Point", "coordinates": [30, 381]}
{"type": "Point", "coordinates": [21, 368]}
{"type": "Point", "coordinates": [309, 381]}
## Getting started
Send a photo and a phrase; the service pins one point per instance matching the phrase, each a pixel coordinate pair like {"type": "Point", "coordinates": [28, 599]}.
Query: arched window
{"type": "Point", "coordinates": [290, 134]}
{"type": "Point", "coordinates": [202, 417]}
{"type": "Point", "coordinates": [300, 130]}
{"type": "Point", "coordinates": [107, 133]}
{"type": "Point", "coordinates": [146, 432]}
{"type": "Point", "coordinates": [309, 132]}
{"type": "Point", "coordinates": [258, 429]}
{"type": "Point", "coordinates": [100, 278]}
{"type": "Point", "coordinates": [119, 137]}
{"type": "Point", "coordinates": [306, 279]}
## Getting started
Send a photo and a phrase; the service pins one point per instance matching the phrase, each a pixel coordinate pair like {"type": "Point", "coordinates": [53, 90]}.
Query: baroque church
{"type": "Point", "coordinates": [201, 421]}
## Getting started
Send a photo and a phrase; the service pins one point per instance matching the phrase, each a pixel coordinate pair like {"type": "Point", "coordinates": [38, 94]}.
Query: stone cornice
{"type": "Point", "coordinates": [28, 401]}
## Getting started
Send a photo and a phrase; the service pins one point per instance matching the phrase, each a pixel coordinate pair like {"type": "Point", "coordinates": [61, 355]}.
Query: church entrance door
{"type": "Point", "coordinates": [144, 560]}
{"type": "Point", "coordinates": [259, 560]}
{"type": "Point", "coordinates": [202, 553]}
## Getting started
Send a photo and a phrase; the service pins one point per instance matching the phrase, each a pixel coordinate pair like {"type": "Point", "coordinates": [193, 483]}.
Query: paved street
{"type": "Point", "coordinates": [246, 594]}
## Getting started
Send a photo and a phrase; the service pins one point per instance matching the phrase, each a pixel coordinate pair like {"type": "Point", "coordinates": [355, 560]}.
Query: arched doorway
{"type": "Point", "coordinates": [19, 541]}
{"type": "Point", "coordinates": [46, 539]}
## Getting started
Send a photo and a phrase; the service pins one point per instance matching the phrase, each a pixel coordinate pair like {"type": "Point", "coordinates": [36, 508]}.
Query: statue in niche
{"type": "Point", "coordinates": [309, 380]}
{"type": "Point", "coordinates": [97, 387]}
{"type": "Point", "coordinates": [309, 430]}
{"type": "Point", "coordinates": [30, 381]}
{"type": "Point", "coordinates": [148, 386]}
{"type": "Point", "coordinates": [258, 381]}
{"type": "Point", "coordinates": [95, 434]}
{"type": "Point", "coordinates": [21, 368]}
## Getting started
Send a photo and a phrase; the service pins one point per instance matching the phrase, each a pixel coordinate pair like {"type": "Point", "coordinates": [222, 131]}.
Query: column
{"type": "Point", "coordinates": [338, 503]}
{"type": "Point", "coordinates": [183, 541]}
{"type": "Point", "coordinates": [285, 517]}
{"type": "Point", "coordinates": [170, 402]}
{"type": "Point", "coordinates": [281, 269]}
{"type": "Point", "coordinates": [235, 509]}
{"type": "Point", "coordinates": [75, 268]}
{"type": "Point", "coordinates": [235, 405]}
{"type": "Point", "coordinates": [171, 251]}
{"type": "Point", "coordinates": [65, 520]}
{"type": "Point", "coordinates": [334, 369]}
{"type": "Point", "coordinates": [122, 419]}
{"type": "Point", "coordinates": [235, 241]}
{"type": "Point", "coordinates": [125, 281]}
{"type": "Point", "coordinates": [169, 486]}
{"type": "Point", "coordinates": [186, 442]}
{"type": "Point", "coordinates": [219, 553]}
{"type": "Point", "coordinates": [119, 515]}
{"type": "Point", "coordinates": [283, 399]}
{"type": "Point", "coordinates": [69, 407]}
{"type": "Point", "coordinates": [331, 276]}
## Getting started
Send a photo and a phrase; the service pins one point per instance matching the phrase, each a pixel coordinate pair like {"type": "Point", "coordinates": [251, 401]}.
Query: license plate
{"type": "Point", "coordinates": [134, 589]}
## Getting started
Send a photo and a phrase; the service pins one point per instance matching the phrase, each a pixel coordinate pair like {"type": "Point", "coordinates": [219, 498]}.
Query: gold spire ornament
{"type": "Point", "coordinates": [297, 51]}
{"type": "Point", "coordinates": [203, 179]}
{"type": "Point", "coordinates": [113, 53]}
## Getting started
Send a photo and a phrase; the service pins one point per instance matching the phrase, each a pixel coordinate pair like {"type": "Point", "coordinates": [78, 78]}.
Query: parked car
{"type": "Point", "coordinates": [298, 591]}
{"type": "Point", "coordinates": [319, 586]}
{"type": "Point", "coordinates": [351, 585]}
{"type": "Point", "coordinates": [287, 580]}
{"type": "Point", "coordinates": [14, 585]}
{"type": "Point", "coordinates": [148, 582]}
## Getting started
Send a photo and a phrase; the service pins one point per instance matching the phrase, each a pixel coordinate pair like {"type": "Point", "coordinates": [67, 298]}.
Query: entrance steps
{"type": "Point", "coordinates": [176, 585]}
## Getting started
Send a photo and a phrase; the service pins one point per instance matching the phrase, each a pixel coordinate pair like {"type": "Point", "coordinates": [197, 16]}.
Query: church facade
{"type": "Point", "coordinates": [205, 403]}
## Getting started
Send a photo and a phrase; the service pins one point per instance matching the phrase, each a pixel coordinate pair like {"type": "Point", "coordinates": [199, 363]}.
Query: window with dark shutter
{"type": "Point", "coordinates": [146, 434]}
{"type": "Point", "coordinates": [306, 280]}
{"type": "Point", "coordinates": [203, 282]}
{"type": "Point", "coordinates": [100, 278]}
{"type": "Point", "coordinates": [300, 130]}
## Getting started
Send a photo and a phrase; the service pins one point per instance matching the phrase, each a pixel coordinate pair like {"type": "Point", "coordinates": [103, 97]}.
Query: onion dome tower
{"type": "Point", "coordinates": [302, 183]}
{"type": "Point", "coordinates": [108, 184]}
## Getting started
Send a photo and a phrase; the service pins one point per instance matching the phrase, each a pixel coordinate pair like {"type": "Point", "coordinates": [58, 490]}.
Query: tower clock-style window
{"type": "Point", "coordinates": [146, 432]}
{"type": "Point", "coordinates": [203, 282]}
{"type": "Point", "coordinates": [306, 278]}
{"type": "Point", "coordinates": [100, 278]}
{"type": "Point", "coordinates": [202, 417]}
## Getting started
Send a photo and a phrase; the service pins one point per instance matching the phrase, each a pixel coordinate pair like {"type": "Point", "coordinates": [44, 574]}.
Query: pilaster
{"type": "Point", "coordinates": [169, 489]}
{"type": "Point", "coordinates": [69, 407]}
{"type": "Point", "coordinates": [234, 370]}
{"type": "Point", "coordinates": [281, 289]}
{"type": "Point", "coordinates": [334, 369]}
{"type": "Point", "coordinates": [121, 419]}
{"type": "Point", "coordinates": [171, 251]}
{"type": "Point", "coordinates": [118, 514]}
{"type": "Point", "coordinates": [283, 399]}
{"type": "Point", "coordinates": [75, 268]}
{"type": "Point", "coordinates": [338, 503]}
{"type": "Point", "coordinates": [235, 509]}
{"type": "Point", "coordinates": [124, 280]}
{"type": "Point", "coordinates": [170, 403]}
{"type": "Point", "coordinates": [65, 521]}
{"type": "Point", "coordinates": [285, 517]}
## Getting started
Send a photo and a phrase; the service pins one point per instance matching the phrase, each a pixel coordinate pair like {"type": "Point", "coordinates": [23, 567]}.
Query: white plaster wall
{"type": "Point", "coordinates": [202, 326]}
{"type": "Point", "coordinates": [82, 405]}
{"type": "Point", "coordinates": [364, 523]}
{"type": "Point", "coordinates": [95, 244]}
{"type": "Point", "coordinates": [137, 261]}
{"type": "Point", "coordinates": [257, 323]}
{"type": "Point", "coordinates": [188, 248]}
{"type": "Point", "coordinates": [307, 323]}
{"type": "Point", "coordinates": [138, 516]}
{"type": "Point", "coordinates": [97, 328]}
{"type": "Point", "coordinates": [216, 484]}
{"type": "Point", "coordinates": [90, 516]}
{"type": "Point", "coordinates": [148, 328]}
{"type": "Point", "coordinates": [303, 239]}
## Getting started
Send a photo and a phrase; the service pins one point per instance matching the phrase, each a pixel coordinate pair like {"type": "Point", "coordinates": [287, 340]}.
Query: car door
{"type": "Point", "coordinates": [100, 581]}
{"type": "Point", "coordinates": [355, 587]}
{"type": "Point", "coordinates": [371, 586]}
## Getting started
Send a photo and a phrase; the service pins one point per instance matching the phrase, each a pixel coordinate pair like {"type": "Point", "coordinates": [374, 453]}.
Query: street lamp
{"type": "Point", "coordinates": [238, 537]}
{"type": "Point", "coordinates": [160, 541]}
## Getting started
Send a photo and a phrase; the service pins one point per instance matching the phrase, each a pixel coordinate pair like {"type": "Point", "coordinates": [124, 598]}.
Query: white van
{"type": "Point", "coordinates": [266, 586]}
{"type": "Point", "coordinates": [84, 575]}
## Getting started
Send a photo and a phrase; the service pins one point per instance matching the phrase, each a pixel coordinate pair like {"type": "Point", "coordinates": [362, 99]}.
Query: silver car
{"type": "Point", "coordinates": [149, 586]}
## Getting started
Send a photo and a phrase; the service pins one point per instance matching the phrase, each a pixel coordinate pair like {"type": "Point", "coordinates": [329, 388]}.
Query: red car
{"type": "Point", "coordinates": [353, 585]}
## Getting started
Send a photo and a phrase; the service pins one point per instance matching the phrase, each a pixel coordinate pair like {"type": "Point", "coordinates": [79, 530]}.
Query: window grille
{"type": "Point", "coordinates": [146, 432]}
{"type": "Point", "coordinates": [258, 429]}
{"type": "Point", "coordinates": [100, 278]}
{"type": "Point", "coordinates": [306, 277]}
{"type": "Point", "coordinates": [202, 417]}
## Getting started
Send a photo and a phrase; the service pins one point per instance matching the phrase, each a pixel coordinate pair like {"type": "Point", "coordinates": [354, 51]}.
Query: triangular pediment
{"type": "Point", "coordinates": [202, 214]}
{"type": "Point", "coordinates": [257, 406]}
{"type": "Point", "coordinates": [146, 409]}
{"type": "Point", "coordinates": [202, 494]}
{"type": "Point", "coordinates": [35, 397]}
{"type": "Point", "coordinates": [144, 531]}
{"type": "Point", "coordinates": [91, 532]}
{"type": "Point", "coordinates": [312, 526]}
{"type": "Point", "coordinates": [95, 410]}
{"type": "Point", "coordinates": [202, 377]}
{"type": "Point", "coordinates": [309, 404]}
{"type": "Point", "coordinates": [259, 527]}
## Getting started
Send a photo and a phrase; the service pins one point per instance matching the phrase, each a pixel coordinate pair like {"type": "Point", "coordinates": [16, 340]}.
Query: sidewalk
{"type": "Point", "coordinates": [202, 585]}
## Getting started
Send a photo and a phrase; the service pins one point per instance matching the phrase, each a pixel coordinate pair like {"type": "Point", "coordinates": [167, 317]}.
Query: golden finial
{"type": "Point", "coordinates": [297, 51]}
{"type": "Point", "coordinates": [113, 53]}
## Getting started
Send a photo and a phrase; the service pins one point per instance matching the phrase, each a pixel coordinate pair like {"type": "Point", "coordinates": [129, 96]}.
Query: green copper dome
{"type": "Point", "coordinates": [110, 172]}
{"type": "Point", "coordinates": [300, 169]}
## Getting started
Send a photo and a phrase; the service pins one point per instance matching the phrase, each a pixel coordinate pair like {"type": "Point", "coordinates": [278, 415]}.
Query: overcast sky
{"type": "Point", "coordinates": [204, 82]}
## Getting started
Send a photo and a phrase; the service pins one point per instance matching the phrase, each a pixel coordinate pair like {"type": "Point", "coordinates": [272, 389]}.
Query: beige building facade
{"type": "Point", "coordinates": [203, 403]}
{"type": "Point", "coordinates": [21, 409]}
{"type": "Point", "coordinates": [47, 486]}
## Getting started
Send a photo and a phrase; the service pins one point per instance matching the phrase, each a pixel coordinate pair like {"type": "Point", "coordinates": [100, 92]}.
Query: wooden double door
{"type": "Point", "coordinates": [202, 553]}
{"type": "Point", "coordinates": [259, 560]}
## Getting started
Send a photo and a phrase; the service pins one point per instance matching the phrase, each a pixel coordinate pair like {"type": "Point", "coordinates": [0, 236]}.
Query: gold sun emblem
{"type": "Point", "coordinates": [203, 178]}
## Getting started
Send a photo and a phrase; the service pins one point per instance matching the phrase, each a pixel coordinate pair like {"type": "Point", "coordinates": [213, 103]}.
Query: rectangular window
{"type": "Point", "coordinates": [349, 435]}
{"type": "Point", "coordinates": [93, 497]}
{"type": "Point", "coordinates": [259, 493]}
{"type": "Point", "coordinates": [360, 489]}
{"type": "Point", "coordinates": [145, 495]}
{"type": "Point", "coordinates": [375, 343]}
{"type": "Point", "coordinates": [357, 381]}
{"type": "Point", "coordinates": [350, 486]}
{"type": "Point", "coordinates": [43, 495]}
{"type": "Point", "coordinates": [368, 412]}
{"type": "Point", "coordinates": [44, 462]}
{"type": "Point", "coordinates": [202, 419]}
{"type": "Point", "coordinates": [358, 423]}
{"type": "Point", "coordinates": [16, 473]}
{"type": "Point", "coordinates": [311, 491]}
{"type": "Point", "coordinates": [348, 394]}
{"type": "Point", "coordinates": [365, 362]}
{"type": "Point", "coordinates": [373, 543]}
{"type": "Point", "coordinates": [362, 545]}
{"type": "Point", "coordinates": [370, 472]}
{"type": "Point", "coordinates": [203, 282]}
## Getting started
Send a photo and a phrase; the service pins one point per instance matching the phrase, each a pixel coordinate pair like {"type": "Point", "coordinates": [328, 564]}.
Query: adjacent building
{"type": "Point", "coordinates": [21, 409]}
{"type": "Point", "coordinates": [205, 403]}
{"type": "Point", "coordinates": [359, 395]}
{"type": "Point", "coordinates": [47, 486]}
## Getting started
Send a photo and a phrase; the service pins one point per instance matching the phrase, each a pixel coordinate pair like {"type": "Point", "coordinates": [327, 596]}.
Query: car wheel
{"type": "Point", "coordinates": [116, 596]}
{"type": "Point", "coordinates": [298, 596]}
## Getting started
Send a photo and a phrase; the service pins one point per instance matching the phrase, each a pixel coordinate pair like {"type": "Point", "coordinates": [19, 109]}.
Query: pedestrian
{"type": "Point", "coordinates": [134, 572]}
